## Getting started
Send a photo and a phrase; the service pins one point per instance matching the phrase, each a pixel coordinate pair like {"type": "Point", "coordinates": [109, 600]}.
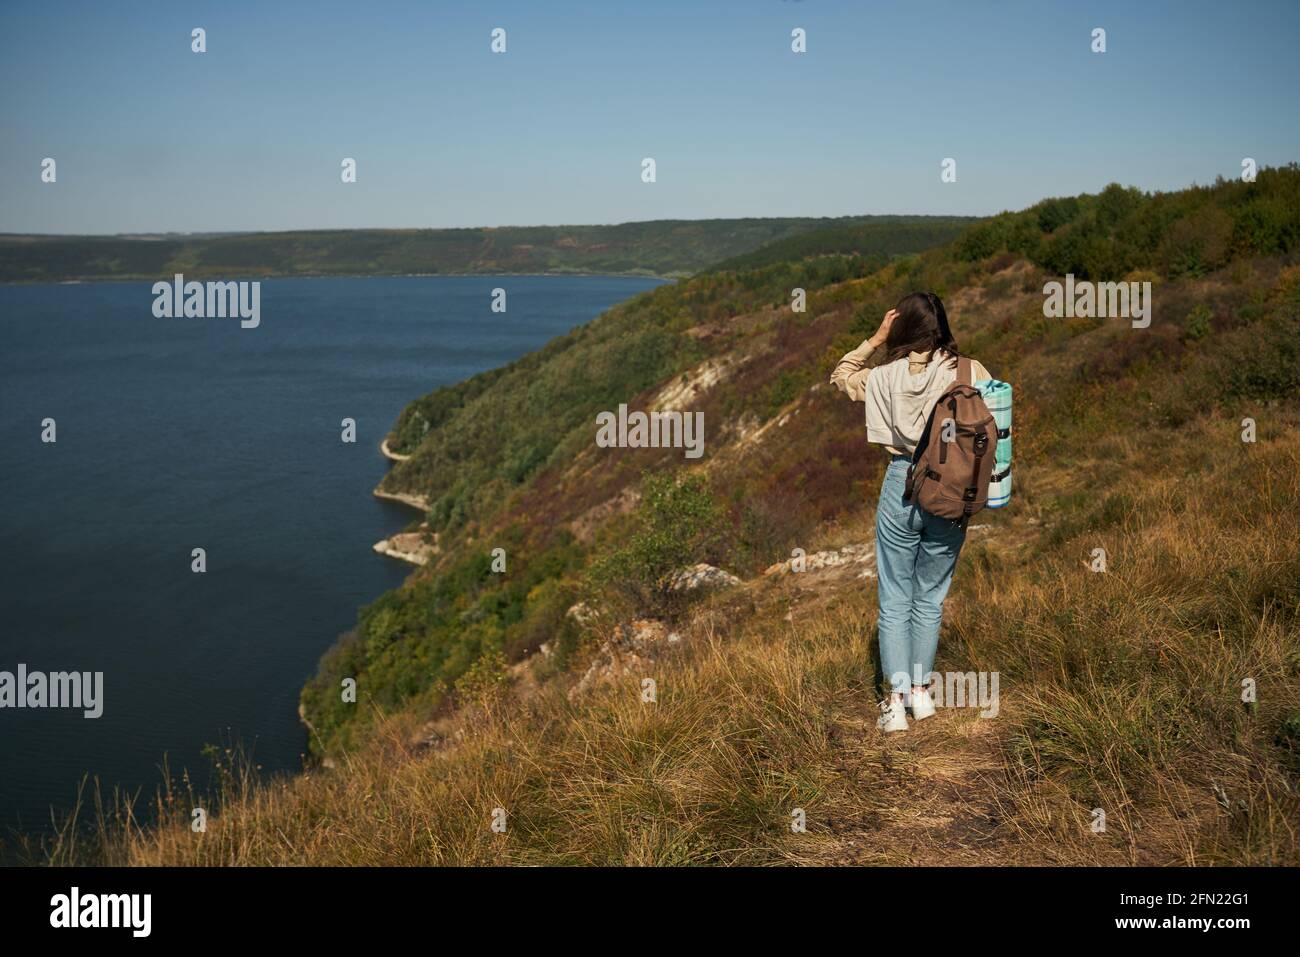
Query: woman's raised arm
{"type": "Point", "coordinates": [849, 374]}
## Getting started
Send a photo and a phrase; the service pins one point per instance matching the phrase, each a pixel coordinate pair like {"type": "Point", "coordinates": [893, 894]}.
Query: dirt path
{"type": "Point", "coordinates": [935, 785]}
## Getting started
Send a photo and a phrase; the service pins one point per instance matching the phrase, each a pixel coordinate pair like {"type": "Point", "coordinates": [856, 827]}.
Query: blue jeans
{"type": "Point", "coordinates": [915, 555]}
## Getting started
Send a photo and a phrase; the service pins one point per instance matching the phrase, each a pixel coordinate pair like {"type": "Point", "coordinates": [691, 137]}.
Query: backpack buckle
{"type": "Point", "coordinates": [969, 494]}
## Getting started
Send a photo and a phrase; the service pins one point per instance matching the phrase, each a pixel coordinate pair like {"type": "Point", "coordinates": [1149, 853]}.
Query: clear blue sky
{"type": "Point", "coordinates": [149, 136]}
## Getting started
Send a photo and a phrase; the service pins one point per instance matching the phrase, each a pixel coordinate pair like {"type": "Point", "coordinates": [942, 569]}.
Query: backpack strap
{"type": "Point", "coordinates": [965, 373]}
{"type": "Point", "coordinates": [968, 494]}
{"type": "Point", "coordinates": [910, 484]}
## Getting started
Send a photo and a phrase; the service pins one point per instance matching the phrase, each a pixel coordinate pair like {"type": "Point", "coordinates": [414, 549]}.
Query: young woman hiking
{"type": "Point", "coordinates": [915, 551]}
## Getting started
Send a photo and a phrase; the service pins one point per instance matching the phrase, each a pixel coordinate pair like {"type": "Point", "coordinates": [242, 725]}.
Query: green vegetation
{"type": "Point", "coordinates": [1188, 233]}
{"type": "Point", "coordinates": [674, 521]}
{"type": "Point", "coordinates": [414, 643]}
{"type": "Point", "coordinates": [668, 248]}
{"type": "Point", "coordinates": [881, 239]}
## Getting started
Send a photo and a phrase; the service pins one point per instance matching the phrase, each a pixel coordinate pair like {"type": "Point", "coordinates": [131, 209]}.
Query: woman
{"type": "Point", "coordinates": [915, 551]}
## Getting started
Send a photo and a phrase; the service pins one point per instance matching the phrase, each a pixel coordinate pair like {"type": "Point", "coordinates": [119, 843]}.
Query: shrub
{"type": "Point", "coordinates": [675, 522]}
{"type": "Point", "coordinates": [1263, 361]}
{"type": "Point", "coordinates": [783, 390]}
{"type": "Point", "coordinates": [1197, 323]}
{"type": "Point", "coordinates": [545, 619]}
{"type": "Point", "coordinates": [483, 680]}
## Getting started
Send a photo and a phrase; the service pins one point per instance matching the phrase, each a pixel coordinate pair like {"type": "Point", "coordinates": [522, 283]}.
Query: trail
{"type": "Point", "coordinates": [934, 789]}
{"type": "Point", "coordinates": [936, 782]}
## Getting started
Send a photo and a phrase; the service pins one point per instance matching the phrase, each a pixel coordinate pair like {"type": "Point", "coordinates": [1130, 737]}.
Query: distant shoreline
{"type": "Point", "coordinates": [254, 277]}
{"type": "Point", "coordinates": [652, 249]}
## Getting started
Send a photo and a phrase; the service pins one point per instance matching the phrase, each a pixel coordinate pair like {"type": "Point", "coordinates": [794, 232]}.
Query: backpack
{"type": "Point", "coordinates": [951, 479]}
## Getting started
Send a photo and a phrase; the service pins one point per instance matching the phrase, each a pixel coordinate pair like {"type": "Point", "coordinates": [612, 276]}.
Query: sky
{"type": "Point", "coordinates": [149, 136]}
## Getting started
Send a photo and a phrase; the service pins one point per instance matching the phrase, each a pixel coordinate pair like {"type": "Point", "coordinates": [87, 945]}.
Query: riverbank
{"type": "Point", "coordinates": [414, 501]}
{"type": "Point", "coordinates": [414, 547]}
{"type": "Point", "coordinates": [390, 454]}
{"type": "Point", "coordinates": [209, 274]}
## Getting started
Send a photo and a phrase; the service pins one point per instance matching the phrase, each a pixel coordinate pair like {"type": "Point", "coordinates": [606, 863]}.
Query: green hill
{"type": "Point", "coordinates": [667, 248]}
{"type": "Point", "coordinates": [883, 236]}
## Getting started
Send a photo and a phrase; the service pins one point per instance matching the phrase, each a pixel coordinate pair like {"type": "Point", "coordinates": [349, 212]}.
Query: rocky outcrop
{"type": "Point", "coordinates": [582, 613]}
{"type": "Point", "coordinates": [682, 390]}
{"type": "Point", "coordinates": [406, 498]}
{"type": "Point", "coordinates": [415, 547]}
{"type": "Point", "coordinates": [702, 576]}
{"type": "Point", "coordinates": [849, 555]}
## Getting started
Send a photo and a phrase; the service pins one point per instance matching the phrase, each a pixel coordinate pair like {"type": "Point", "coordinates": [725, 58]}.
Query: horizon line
{"type": "Point", "coordinates": [148, 234]}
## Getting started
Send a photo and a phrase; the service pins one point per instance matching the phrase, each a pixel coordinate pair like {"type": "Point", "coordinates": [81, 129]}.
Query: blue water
{"type": "Point", "coordinates": [175, 434]}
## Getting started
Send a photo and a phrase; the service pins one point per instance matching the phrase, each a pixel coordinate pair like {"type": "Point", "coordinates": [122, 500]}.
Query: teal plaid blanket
{"type": "Point", "coordinates": [997, 396]}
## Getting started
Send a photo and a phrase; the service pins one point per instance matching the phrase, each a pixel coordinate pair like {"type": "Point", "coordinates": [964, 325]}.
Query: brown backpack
{"type": "Point", "coordinates": [951, 479]}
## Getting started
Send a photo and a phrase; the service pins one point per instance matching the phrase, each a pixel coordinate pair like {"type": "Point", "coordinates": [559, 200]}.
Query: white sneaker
{"type": "Point", "coordinates": [892, 717]}
{"type": "Point", "coordinates": [922, 705]}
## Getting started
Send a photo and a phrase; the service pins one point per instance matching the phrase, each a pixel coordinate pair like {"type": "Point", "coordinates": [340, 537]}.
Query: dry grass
{"type": "Point", "coordinates": [1129, 683]}
{"type": "Point", "coordinates": [1120, 691]}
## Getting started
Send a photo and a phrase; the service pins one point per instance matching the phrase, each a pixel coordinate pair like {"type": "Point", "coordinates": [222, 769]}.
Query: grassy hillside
{"type": "Point", "coordinates": [661, 248]}
{"type": "Point", "coordinates": [1120, 690]}
{"type": "Point", "coordinates": [905, 234]}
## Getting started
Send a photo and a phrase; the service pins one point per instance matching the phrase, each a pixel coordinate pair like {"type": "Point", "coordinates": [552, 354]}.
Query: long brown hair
{"type": "Point", "coordinates": [921, 325]}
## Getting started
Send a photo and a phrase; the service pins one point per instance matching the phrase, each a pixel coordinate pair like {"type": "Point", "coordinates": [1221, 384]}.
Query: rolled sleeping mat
{"type": "Point", "coordinates": [997, 396]}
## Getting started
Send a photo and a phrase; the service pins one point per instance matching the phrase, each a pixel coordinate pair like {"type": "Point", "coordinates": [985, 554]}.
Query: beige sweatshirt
{"type": "Point", "coordinates": [898, 395]}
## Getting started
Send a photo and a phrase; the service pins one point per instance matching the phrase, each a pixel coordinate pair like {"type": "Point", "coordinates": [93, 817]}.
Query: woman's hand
{"type": "Point", "coordinates": [882, 333]}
